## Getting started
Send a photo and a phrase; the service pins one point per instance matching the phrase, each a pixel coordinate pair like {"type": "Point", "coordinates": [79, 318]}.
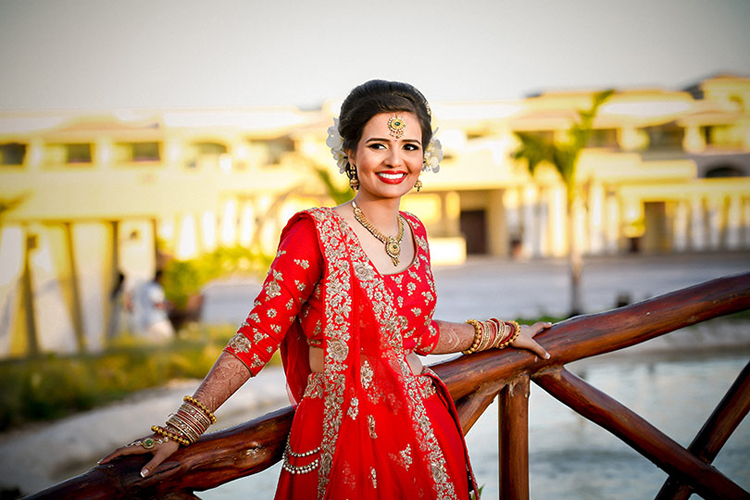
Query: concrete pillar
{"type": "Point", "coordinates": [714, 219]}
{"type": "Point", "coordinates": [247, 223]}
{"type": "Point", "coordinates": [734, 223]}
{"type": "Point", "coordinates": [35, 156]}
{"type": "Point", "coordinates": [530, 244]}
{"type": "Point", "coordinates": [511, 201]}
{"type": "Point", "coordinates": [557, 221]}
{"type": "Point", "coordinates": [104, 152]}
{"type": "Point", "coordinates": [613, 224]}
{"type": "Point", "coordinates": [693, 141]}
{"type": "Point", "coordinates": [229, 217]}
{"type": "Point", "coordinates": [697, 224]}
{"type": "Point", "coordinates": [680, 226]}
{"type": "Point", "coordinates": [497, 226]}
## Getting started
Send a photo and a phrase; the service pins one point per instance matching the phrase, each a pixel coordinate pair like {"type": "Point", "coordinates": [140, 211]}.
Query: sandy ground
{"type": "Point", "coordinates": [37, 457]}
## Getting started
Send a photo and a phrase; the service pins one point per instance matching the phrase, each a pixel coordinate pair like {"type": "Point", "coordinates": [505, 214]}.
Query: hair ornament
{"type": "Point", "coordinates": [336, 143]}
{"type": "Point", "coordinates": [433, 155]}
{"type": "Point", "coordinates": [396, 125]}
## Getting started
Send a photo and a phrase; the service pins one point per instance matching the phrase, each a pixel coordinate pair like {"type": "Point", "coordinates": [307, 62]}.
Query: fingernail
{"type": "Point", "coordinates": [546, 356]}
{"type": "Point", "coordinates": [99, 462]}
{"type": "Point", "coordinates": [144, 473]}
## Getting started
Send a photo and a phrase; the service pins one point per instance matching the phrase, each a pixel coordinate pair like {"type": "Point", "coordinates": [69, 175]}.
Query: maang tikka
{"type": "Point", "coordinates": [396, 125]}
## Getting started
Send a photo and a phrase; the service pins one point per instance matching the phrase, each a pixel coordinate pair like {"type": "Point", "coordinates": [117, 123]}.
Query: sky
{"type": "Point", "coordinates": [103, 54]}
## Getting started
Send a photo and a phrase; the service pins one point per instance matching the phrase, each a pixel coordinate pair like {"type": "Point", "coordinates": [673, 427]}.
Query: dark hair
{"type": "Point", "coordinates": [381, 96]}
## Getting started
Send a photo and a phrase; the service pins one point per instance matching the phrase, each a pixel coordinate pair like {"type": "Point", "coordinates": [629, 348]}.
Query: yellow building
{"type": "Point", "coordinates": [88, 195]}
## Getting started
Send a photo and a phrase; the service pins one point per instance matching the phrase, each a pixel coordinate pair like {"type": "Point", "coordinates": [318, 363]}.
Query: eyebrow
{"type": "Point", "coordinates": [385, 139]}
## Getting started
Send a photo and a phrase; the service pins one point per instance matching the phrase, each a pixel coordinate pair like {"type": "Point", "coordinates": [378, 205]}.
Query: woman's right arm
{"type": "Point", "coordinates": [290, 281]}
{"type": "Point", "coordinates": [226, 376]}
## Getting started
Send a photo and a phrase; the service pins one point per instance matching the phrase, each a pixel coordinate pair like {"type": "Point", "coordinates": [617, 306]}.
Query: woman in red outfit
{"type": "Point", "coordinates": [349, 299]}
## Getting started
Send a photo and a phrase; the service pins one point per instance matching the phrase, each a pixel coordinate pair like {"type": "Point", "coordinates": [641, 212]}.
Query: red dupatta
{"type": "Point", "coordinates": [378, 442]}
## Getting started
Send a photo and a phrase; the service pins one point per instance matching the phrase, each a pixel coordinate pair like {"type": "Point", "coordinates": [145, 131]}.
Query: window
{"type": "Point", "coordinates": [78, 153]}
{"type": "Point", "coordinates": [727, 136]}
{"type": "Point", "coordinates": [12, 153]}
{"type": "Point", "coordinates": [603, 138]}
{"type": "Point", "coordinates": [74, 153]}
{"type": "Point", "coordinates": [206, 155]}
{"type": "Point", "coordinates": [138, 152]}
{"type": "Point", "coordinates": [276, 148]}
{"type": "Point", "coordinates": [667, 136]}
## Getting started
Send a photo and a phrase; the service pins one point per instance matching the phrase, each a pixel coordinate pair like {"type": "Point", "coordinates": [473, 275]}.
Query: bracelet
{"type": "Point", "coordinates": [168, 434]}
{"type": "Point", "coordinates": [478, 335]}
{"type": "Point", "coordinates": [193, 401]}
{"type": "Point", "coordinates": [516, 331]}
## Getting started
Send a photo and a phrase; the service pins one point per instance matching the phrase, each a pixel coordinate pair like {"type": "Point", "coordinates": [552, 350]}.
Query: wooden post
{"type": "Point", "coordinates": [513, 440]}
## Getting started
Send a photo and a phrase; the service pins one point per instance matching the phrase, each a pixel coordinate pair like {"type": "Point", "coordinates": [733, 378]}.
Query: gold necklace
{"type": "Point", "coordinates": [392, 244]}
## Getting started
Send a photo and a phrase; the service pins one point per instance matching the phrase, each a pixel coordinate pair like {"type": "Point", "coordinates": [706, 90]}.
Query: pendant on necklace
{"type": "Point", "coordinates": [393, 249]}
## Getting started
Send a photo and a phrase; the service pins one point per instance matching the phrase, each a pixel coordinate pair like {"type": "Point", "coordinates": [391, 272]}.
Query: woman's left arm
{"type": "Point", "coordinates": [457, 337]}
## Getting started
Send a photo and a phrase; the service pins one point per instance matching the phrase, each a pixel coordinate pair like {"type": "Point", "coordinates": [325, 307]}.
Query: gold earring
{"type": "Point", "coordinates": [353, 180]}
{"type": "Point", "coordinates": [418, 185]}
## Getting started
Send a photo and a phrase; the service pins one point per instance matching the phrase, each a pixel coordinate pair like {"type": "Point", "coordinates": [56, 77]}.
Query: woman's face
{"type": "Point", "coordinates": [387, 165]}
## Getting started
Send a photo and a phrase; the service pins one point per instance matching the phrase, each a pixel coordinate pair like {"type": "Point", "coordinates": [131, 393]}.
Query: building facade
{"type": "Point", "coordinates": [87, 196]}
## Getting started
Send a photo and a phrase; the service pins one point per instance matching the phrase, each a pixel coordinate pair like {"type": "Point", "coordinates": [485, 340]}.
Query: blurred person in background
{"type": "Point", "coordinates": [349, 299]}
{"type": "Point", "coordinates": [150, 310]}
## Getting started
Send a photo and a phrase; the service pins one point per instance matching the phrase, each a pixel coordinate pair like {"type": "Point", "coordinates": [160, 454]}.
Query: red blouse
{"type": "Point", "coordinates": [292, 292]}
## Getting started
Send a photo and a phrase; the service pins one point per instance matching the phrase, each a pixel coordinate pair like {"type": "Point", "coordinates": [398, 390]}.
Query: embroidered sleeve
{"type": "Point", "coordinates": [429, 339]}
{"type": "Point", "coordinates": [291, 279]}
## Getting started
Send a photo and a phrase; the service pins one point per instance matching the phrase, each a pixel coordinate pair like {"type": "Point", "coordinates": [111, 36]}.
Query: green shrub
{"type": "Point", "coordinates": [54, 386]}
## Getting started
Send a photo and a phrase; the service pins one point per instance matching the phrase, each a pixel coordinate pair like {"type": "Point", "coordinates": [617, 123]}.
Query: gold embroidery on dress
{"type": "Point", "coordinates": [353, 410]}
{"type": "Point", "coordinates": [240, 343]}
{"type": "Point", "coordinates": [371, 427]}
{"type": "Point", "coordinates": [366, 374]}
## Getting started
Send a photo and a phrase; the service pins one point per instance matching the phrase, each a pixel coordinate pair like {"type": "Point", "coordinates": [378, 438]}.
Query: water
{"type": "Point", "coordinates": [571, 458]}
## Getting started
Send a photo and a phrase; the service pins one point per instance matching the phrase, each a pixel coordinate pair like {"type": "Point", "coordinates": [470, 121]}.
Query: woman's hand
{"type": "Point", "coordinates": [155, 444]}
{"type": "Point", "coordinates": [525, 339]}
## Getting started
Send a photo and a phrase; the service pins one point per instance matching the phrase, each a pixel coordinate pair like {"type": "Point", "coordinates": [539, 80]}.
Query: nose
{"type": "Point", "coordinates": [395, 158]}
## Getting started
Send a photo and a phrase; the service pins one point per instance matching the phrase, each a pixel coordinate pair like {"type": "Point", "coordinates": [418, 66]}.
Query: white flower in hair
{"type": "Point", "coordinates": [433, 155]}
{"type": "Point", "coordinates": [336, 143]}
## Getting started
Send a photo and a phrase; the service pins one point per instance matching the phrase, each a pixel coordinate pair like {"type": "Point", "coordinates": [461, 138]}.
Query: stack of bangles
{"type": "Point", "coordinates": [492, 334]}
{"type": "Point", "coordinates": [188, 423]}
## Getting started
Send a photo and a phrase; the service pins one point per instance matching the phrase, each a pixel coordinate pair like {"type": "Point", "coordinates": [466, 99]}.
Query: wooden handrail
{"type": "Point", "coordinates": [474, 381]}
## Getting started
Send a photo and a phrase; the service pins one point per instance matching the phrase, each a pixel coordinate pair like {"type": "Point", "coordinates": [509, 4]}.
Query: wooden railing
{"type": "Point", "coordinates": [474, 382]}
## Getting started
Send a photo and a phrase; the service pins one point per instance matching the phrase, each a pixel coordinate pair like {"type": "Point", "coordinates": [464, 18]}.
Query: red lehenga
{"type": "Point", "coordinates": [365, 427]}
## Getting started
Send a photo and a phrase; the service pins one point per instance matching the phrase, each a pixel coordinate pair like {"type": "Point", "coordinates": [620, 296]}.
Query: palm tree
{"type": "Point", "coordinates": [564, 155]}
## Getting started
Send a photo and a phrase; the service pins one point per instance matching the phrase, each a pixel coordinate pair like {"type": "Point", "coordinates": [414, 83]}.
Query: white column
{"type": "Point", "coordinates": [229, 223]}
{"type": "Point", "coordinates": [612, 227]}
{"type": "Point", "coordinates": [734, 223]}
{"type": "Point", "coordinates": [208, 230]}
{"type": "Point", "coordinates": [530, 222]}
{"type": "Point", "coordinates": [697, 224]}
{"type": "Point", "coordinates": [558, 221]}
{"type": "Point", "coordinates": [680, 227]}
{"type": "Point", "coordinates": [247, 224]}
{"type": "Point", "coordinates": [714, 212]}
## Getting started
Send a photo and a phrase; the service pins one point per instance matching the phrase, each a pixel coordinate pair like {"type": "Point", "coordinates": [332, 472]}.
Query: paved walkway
{"type": "Point", "coordinates": [35, 458]}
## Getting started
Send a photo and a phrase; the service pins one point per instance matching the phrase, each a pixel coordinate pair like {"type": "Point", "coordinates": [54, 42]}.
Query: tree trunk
{"type": "Point", "coordinates": [575, 260]}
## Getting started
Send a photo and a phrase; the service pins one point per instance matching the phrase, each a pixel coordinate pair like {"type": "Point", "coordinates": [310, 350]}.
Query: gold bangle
{"type": "Point", "coordinates": [513, 336]}
{"type": "Point", "coordinates": [168, 434]}
{"type": "Point", "coordinates": [477, 336]}
{"type": "Point", "coordinates": [192, 400]}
